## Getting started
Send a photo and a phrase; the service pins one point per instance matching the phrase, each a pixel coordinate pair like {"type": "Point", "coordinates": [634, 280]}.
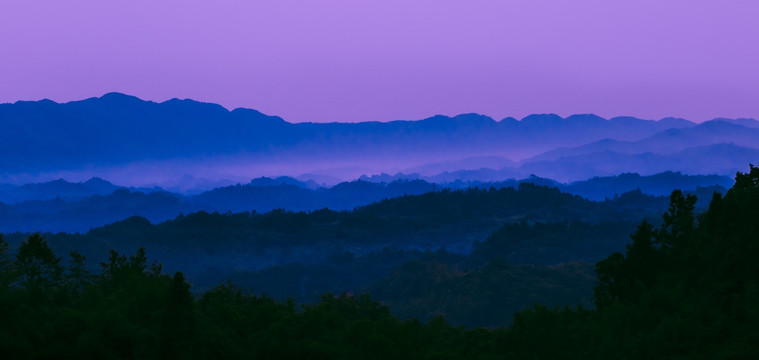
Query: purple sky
{"type": "Point", "coordinates": [348, 60]}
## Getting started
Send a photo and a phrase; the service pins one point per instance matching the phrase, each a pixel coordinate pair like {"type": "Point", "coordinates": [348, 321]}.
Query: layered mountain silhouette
{"type": "Point", "coordinates": [76, 207]}
{"type": "Point", "coordinates": [138, 142]}
{"type": "Point", "coordinates": [55, 189]}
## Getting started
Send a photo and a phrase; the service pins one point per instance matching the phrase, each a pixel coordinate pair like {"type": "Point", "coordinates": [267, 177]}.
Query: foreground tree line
{"type": "Point", "coordinates": [133, 310]}
{"type": "Point", "coordinates": [687, 289]}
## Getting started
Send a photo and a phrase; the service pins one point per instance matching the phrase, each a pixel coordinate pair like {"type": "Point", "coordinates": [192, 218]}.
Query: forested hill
{"type": "Point", "coordinates": [686, 288]}
{"type": "Point", "coordinates": [525, 231]}
{"type": "Point", "coordinates": [60, 206]}
{"type": "Point", "coordinates": [301, 255]}
{"type": "Point", "coordinates": [443, 218]}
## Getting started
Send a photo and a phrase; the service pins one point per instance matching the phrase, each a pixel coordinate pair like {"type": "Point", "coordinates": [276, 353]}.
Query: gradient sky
{"type": "Point", "coordinates": [347, 60]}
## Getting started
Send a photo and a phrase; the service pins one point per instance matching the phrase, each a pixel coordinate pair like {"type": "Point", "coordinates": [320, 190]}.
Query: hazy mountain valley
{"type": "Point", "coordinates": [452, 238]}
{"type": "Point", "coordinates": [338, 179]}
{"type": "Point", "coordinates": [182, 145]}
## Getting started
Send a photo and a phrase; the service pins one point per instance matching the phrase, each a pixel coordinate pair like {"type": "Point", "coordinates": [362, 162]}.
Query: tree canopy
{"type": "Point", "coordinates": [688, 288]}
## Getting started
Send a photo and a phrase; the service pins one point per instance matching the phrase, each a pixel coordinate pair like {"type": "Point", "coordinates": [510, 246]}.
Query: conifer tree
{"type": "Point", "coordinates": [37, 264]}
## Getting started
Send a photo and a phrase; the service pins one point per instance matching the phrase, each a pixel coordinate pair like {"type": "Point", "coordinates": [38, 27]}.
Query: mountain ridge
{"type": "Point", "coordinates": [116, 135]}
{"type": "Point", "coordinates": [75, 207]}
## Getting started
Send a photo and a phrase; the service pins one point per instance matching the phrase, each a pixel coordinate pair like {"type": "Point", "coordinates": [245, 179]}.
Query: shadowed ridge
{"type": "Point", "coordinates": [118, 131]}
{"type": "Point", "coordinates": [509, 121]}
{"type": "Point", "coordinates": [628, 119]}
{"type": "Point", "coordinates": [746, 122]}
{"type": "Point", "coordinates": [188, 104]}
{"type": "Point", "coordinates": [44, 101]}
{"type": "Point", "coordinates": [117, 96]}
{"type": "Point", "coordinates": [541, 120]}
{"type": "Point", "coordinates": [108, 100]}
{"type": "Point", "coordinates": [259, 117]}
{"type": "Point", "coordinates": [585, 117]}
{"type": "Point", "coordinates": [474, 118]}
{"type": "Point", "coordinates": [676, 122]}
{"type": "Point", "coordinates": [282, 180]}
{"type": "Point", "coordinates": [460, 118]}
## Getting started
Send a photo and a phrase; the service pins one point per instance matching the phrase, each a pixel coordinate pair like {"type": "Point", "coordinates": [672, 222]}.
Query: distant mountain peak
{"type": "Point", "coordinates": [282, 180]}
{"type": "Point", "coordinates": [116, 98]}
{"type": "Point", "coordinates": [626, 119]}
{"type": "Point", "coordinates": [676, 122]}
{"type": "Point", "coordinates": [42, 102]}
{"type": "Point", "coordinates": [584, 117]}
{"type": "Point", "coordinates": [118, 95]}
{"type": "Point", "coordinates": [259, 116]}
{"type": "Point", "coordinates": [97, 181]}
{"type": "Point", "coordinates": [473, 116]}
{"type": "Point", "coordinates": [746, 122]}
{"type": "Point", "coordinates": [541, 119]}
{"type": "Point", "coordinates": [509, 120]}
{"type": "Point", "coordinates": [190, 103]}
{"type": "Point", "coordinates": [117, 131]}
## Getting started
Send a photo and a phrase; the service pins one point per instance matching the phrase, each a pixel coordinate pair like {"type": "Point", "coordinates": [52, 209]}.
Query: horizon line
{"type": "Point", "coordinates": [370, 121]}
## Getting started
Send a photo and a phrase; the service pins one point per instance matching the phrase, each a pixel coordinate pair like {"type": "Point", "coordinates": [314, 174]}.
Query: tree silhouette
{"type": "Point", "coordinates": [36, 263]}
{"type": "Point", "coordinates": [177, 333]}
{"type": "Point", "coordinates": [77, 277]}
{"type": "Point", "coordinates": [6, 264]}
{"type": "Point", "coordinates": [678, 220]}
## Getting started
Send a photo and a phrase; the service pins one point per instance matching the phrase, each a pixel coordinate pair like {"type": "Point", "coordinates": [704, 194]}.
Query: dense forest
{"type": "Point", "coordinates": [61, 206]}
{"type": "Point", "coordinates": [445, 216]}
{"type": "Point", "coordinates": [407, 251]}
{"type": "Point", "coordinates": [685, 288]}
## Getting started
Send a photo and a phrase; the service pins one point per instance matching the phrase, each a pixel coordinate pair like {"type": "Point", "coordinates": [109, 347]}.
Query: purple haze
{"type": "Point", "coordinates": [357, 61]}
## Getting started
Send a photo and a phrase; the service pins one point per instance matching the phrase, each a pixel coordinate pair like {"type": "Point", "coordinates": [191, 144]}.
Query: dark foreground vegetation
{"type": "Point", "coordinates": [687, 288]}
{"type": "Point", "coordinates": [452, 253]}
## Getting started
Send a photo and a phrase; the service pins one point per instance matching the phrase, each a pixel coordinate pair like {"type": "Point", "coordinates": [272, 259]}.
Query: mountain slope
{"type": "Point", "coordinates": [669, 141]}
{"type": "Point", "coordinates": [121, 135]}
{"type": "Point", "coordinates": [712, 159]}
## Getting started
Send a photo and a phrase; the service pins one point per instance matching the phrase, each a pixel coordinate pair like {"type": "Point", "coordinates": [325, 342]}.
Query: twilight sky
{"type": "Point", "coordinates": [347, 60]}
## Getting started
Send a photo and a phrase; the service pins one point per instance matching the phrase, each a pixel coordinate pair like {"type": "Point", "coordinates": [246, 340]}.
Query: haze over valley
{"type": "Point", "coordinates": [189, 146]}
{"type": "Point", "coordinates": [338, 179]}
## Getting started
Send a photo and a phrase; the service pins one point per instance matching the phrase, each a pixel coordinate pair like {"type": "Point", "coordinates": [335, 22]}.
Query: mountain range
{"type": "Point", "coordinates": [60, 205]}
{"type": "Point", "coordinates": [184, 144]}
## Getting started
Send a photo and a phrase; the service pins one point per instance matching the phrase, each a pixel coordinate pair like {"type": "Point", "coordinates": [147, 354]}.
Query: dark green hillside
{"type": "Point", "coordinates": [686, 289]}
{"type": "Point", "coordinates": [551, 243]}
{"type": "Point", "coordinates": [304, 254]}
{"type": "Point", "coordinates": [485, 296]}
{"type": "Point", "coordinates": [287, 253]}
{"type": "Point", "coordinates": [444, 216]}
{"type": "Point", "coordinates": [53, 308]}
